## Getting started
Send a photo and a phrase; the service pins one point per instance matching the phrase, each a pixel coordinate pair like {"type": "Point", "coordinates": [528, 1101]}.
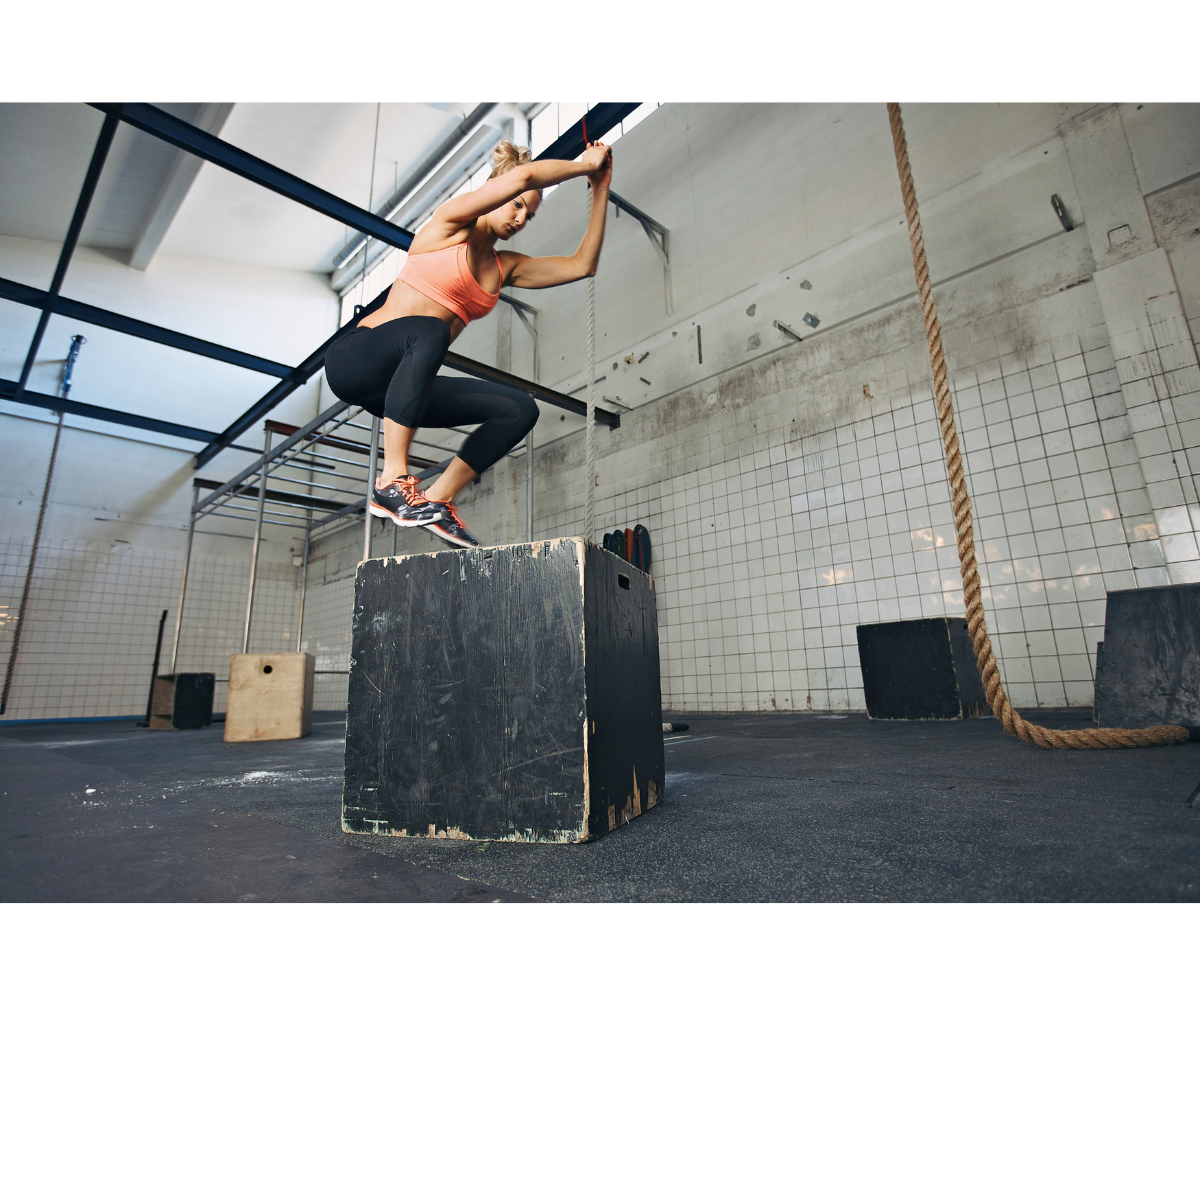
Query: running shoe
{"type": "Point", "coordinates": [403, 501]}
{"type": "Point", "coordinates": [450, 527]}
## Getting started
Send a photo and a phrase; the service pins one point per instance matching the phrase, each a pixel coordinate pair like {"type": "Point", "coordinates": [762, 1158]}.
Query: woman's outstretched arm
{"type": "Point", "coordinates": [527, 177]}
{"type": "Point", "coordinates": [522, 271]}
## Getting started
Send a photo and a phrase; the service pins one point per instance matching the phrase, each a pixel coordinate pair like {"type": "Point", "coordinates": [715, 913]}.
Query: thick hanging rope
{"type": "Point", "coordinates": [589, 496]}
{"type": "Point", "coordinates": [1050, 739]}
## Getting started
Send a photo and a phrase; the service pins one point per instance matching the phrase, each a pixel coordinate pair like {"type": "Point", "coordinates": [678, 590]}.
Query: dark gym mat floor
{"type": "Point", "coordinates": [762, 807]}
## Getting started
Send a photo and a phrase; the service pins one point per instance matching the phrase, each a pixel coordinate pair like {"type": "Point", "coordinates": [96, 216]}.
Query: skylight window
{"type": "Point", "coordinates": [556, 118]}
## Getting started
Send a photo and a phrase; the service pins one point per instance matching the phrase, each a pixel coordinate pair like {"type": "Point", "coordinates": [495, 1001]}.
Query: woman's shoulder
{"type": "Point", "coordinates": [440, 235]}
{"type": "Point", "coordinates": [432, 246]}
{"type": "Point", "coordinates": [508, 260]}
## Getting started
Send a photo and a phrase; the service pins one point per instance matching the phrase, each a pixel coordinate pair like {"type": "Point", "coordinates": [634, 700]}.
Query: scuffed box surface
{"type": "Point", "coordinates": [1149, 673]}
{"type": "Point", "coordinates": [509, 692]}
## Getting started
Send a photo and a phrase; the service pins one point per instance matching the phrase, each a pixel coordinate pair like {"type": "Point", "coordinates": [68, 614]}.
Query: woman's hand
{"type": "Point", "coordinates": [597, 158]}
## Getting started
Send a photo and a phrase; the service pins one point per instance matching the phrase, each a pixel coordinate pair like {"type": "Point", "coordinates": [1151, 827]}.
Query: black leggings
{"type": "Point", "coordinates": [391, 370]}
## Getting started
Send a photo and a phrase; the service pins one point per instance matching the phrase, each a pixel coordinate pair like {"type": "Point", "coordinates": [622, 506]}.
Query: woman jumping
{"type": "Point", "coordinates": [388, 363]}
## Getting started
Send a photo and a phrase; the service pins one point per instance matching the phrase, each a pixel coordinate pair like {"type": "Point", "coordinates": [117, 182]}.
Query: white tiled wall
{"type": "Point", "coordinates": [777, 530]}
{"type": "Point", "coordinates": [328, 612]}
{"type": "Point", "coordinates": [87, 646]}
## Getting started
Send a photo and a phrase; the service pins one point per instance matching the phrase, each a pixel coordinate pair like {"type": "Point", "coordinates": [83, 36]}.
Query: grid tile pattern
{"type": "Point", "coordinates": [88, 643]}
{"type": "Point", "coordinates": [328, 613]}
{"type": "Point", "coordinates": [781, 522]}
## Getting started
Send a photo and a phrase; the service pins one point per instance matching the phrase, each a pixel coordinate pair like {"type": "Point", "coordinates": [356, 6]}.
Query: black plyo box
{"type": "Point", "coordinates": [1149, 670]}
{"type": "Point", "coordinates": [503, 693]}
{"type": "Point", "coordinates": [920, 670]}
{"type": "Point", "coordinates": [183, 701]}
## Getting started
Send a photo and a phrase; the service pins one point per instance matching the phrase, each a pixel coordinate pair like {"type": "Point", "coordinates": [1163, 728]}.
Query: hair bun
{"type": "Point", "coordinates": [506, 156]}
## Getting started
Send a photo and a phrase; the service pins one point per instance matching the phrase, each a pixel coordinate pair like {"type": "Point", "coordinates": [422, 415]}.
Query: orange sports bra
{"type": "Point", "coordinates": [445, 276]}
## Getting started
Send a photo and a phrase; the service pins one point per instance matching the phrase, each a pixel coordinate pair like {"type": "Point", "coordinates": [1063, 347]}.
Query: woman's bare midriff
{"type": "Point", "coordinates": [405, 301]}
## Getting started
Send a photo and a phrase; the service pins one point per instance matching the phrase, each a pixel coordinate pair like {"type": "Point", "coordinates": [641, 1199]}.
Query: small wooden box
{"type": "Point", "coordinates": [183, 701]}
{"type": "Point", "coordinates": [506, 693]}
{"type": "Point", "coordinates": [270, 697]}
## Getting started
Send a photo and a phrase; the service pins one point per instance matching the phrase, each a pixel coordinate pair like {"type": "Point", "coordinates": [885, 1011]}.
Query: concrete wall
{"type": "Point", "coordinates": [115, 527]}
{"type": "Point", "coordinates": [794, 491]}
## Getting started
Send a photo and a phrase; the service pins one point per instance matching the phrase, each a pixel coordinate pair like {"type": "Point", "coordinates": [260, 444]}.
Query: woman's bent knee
{"type": "Point", "coordinates": [528, 412]}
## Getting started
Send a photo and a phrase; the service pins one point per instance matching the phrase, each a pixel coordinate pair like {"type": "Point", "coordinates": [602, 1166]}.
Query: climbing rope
{"type": "Point", "coordinates": [589, 496]}
{"type": "Point", "coordinates": [1050, 739]}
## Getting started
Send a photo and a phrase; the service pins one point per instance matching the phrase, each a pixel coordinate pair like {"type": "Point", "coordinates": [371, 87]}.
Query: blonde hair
{"type": "Point", "coordinates": [506, 156]}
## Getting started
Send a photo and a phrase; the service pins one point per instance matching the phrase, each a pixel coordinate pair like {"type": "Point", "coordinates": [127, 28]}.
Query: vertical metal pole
{"type": "Point", "coordinates": [187, 562]}
{"type": "Point", "coordinates": [303, 583]}
{"type": "Point", "coordinates": [668, 284]}
{"type": "Point", "coordinates": [64, 387]}
{"type": "Point", "coordinates": [258, 519]}
{"type": "Point", "coordinates": [529, 486]}
{"type": "Point", "coordinates": [154, 670]}
{"type": "Point", "coordinates": [37, 539]}
{"type": "Point", "coordinates": [371, 457]}
{"type": "Point", "coordinates": [589, 491]}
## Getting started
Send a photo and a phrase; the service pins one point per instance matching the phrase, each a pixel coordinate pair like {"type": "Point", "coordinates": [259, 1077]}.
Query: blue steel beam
{"type": "Point", "coordinates": [600, 120]}
{"type": "Point", "coordinates": [21, 293]}
{"type": "Point", "coordinates": [99, 154]}
{"type": "Point", "coordinates": [9, 389]}
{"type": "Point", "coordinates": [212, 149]}
{"type": "Point", "coordinates": [284, 388]}
{"type": "Point", "coordinates": [157, 123]}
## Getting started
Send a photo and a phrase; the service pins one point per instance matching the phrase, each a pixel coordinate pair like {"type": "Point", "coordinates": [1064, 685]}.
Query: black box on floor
{"type": "Point", "coordinates": [920, 670]}
{"type": "Point", "coordinates": [1148, 666]}
{"type": "Point", "coordinates": [183, 701]}
{"type": "Point", "coordinates": [509, 692]}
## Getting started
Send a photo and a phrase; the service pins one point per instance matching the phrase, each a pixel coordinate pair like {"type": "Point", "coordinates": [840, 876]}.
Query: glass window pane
{"type": "Point", "coordinates": [638, 115]}
{"type": "Point", "coordinates": [569, 113]}
{"type": "Point", "coordinates": [545, 129]}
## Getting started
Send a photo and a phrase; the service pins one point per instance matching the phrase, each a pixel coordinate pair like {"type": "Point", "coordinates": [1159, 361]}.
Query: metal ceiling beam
{"type": "Point", "coordinates": [284, 388]}
{"type": "Point", "coordinates": [482, 371]}
{"type": "Point", "coordinates": [21, 293]}
{"type": "Point", "coordinates": [8, 391]}
{"type": "Point", "coordinates": [276, 496]}
{"type": "Point", "coordinates": [179, 133]}
{"type": "Point", "coordinates": [182, 174]}
{"type": "Point", "coordinates": [339, 443]}
{"type": "Point", "coordinates": [99, 154]}
{"type": "Point", "coordinates": [600, 120]}
{"type": "Point", "coordinates": [311, 365]}
{"type": "Point", "coordinates": [457, 167]}
{"type": "Point", "coordinates": [570, 145]}
{"type": "Point", "coordinates": [212, 149]}
{"type": "Point", "coordinates": [393, 203]}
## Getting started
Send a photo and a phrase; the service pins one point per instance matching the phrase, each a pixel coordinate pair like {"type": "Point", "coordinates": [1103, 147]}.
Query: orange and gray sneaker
{"type": "Point", "coordinates": [403, 501]}
{"type": "Point", "coordinates": [451, 528]}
